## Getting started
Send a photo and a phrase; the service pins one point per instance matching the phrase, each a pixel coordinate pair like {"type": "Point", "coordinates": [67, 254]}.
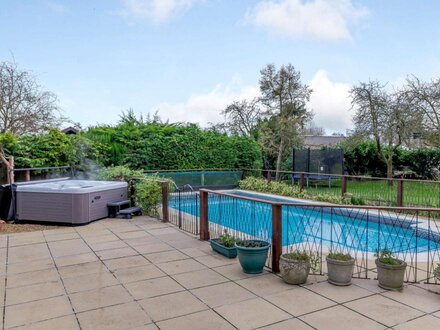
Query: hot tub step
{"type": "Point", "coordinates": [128, 212]}
{"type": "Point", "coordinates": [115, 207]}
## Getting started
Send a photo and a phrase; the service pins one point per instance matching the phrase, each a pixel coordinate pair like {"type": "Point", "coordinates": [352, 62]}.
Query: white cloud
{"type": "Point", "coordinates": [157, 11]}
{"type": "Point", "coordinates": [205, 108]}
{"type": "Point", "coordinates": [315, 19]}
{"type": "Point", "coordinates": [330, 102]}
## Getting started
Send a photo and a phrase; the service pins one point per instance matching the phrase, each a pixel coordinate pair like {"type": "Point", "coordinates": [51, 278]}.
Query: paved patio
{"type": "Point", "coordinates": [144, 274]}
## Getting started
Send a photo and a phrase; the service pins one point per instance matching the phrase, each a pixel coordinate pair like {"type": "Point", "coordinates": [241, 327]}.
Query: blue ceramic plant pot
{"type": "Point", "coordinates": [230, 252]}
{"type": "Point", "coordinates": [253, 259]}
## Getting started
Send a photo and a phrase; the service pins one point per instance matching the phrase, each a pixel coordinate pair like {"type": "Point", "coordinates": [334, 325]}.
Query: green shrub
{"type": "Point", "coordinates": [309, 257]}
{"type": "Point", "coordinates": [144, 190]}
{"type": "Point", "coordinates": [272, 187]}
{"type": "Point", "coordinates": [251, 243]}
{"type": "Point", "coordinates": [147, 195]}
{"type": "Point", "coordinates": [150, 145]}
{"type": "Point", "coordinates": [339, 256]}
{"type": "Point", "coordinates": [226, 239]}
{"type": "Point", "coordinates": [119, 173]}
{"type": "Point", "coordinates": [386, 256]}
{"type": "Point", "coordinates": [284, 189]}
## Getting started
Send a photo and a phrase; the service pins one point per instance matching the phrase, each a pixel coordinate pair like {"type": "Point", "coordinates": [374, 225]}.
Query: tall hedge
{"type": "Point", "coordinates": [171, 146]}
{"type": "Point", "coordinates": [362, 159]}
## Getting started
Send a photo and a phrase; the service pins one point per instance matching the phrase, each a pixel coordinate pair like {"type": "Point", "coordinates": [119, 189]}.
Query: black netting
{"type": "Point", "coordinates": [204, 178]}
{"type": "Point", "coordinates": [323, 161]}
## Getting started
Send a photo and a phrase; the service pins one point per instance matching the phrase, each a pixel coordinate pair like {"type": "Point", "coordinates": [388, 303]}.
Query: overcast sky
{"type": "Point", "coordinates": [188, 59]}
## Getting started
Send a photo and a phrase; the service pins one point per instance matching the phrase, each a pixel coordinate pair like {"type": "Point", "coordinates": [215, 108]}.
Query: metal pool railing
{"type": "Point", "coordinates": [180, 207]}
{"type": "Point", "coordinates": [413, 234]}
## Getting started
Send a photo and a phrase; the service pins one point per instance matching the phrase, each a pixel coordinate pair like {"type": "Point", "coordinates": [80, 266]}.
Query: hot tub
{"type": "Point", "coordinates": [67, 201]}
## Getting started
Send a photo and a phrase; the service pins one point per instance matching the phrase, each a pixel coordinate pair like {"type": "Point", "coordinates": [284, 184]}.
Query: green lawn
{"type": "Point", "coordinates": [378, 192]}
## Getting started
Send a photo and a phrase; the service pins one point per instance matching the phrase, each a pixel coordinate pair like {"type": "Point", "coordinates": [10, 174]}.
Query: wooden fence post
{"type": "Point", "coordinates": [344, 186]}
{"type": "Point", "coordinates": [277, 243]}
{"type": "Point", "coordinates": [204, 224]}
{"type": "Point", "coordinates": [301, 182]}
{"type": "Point", "coordinates": [399, 201]}
{"type": "Point", "coordinates": [27, 175]}
{"type": "Point", "coordinates": [165, 214]}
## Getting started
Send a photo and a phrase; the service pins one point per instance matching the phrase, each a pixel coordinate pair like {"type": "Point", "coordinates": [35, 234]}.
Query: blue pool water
{"type": "Point", "coordinates": [310, 225]}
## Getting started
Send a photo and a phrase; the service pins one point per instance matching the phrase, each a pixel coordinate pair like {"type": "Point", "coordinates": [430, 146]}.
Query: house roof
{"type": "Point", "coordinates": [70, 130]}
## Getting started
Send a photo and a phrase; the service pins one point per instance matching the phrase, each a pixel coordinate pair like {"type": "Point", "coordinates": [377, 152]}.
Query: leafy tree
{"type": "Point", "coordinates": [51, 148]}
{"type": "Point", "coordinates": [285, 98]}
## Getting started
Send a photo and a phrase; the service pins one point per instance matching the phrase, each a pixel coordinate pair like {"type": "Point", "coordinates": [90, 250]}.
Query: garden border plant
{"type": "Point", "coordinates": [224, 244]}
{"type": "Point", "coordinates": [437, 272]}
{"type": "Point", "coordinates": [283, 189]}
{"type": "Point", "coordinates": [144, 190]}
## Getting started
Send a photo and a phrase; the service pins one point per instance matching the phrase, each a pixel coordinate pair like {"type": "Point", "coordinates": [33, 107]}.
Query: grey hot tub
{"type": "Point", "coordinates": [67, 201]}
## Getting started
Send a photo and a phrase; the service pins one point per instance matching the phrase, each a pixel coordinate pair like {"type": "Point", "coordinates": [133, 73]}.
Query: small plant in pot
{"type": "Point", "coordinates": [340, 268]}
{"type": "Point", "coordinates": [252, 255]}
{"type": "Point", "coordinates": [295, 267]}
{"type": "Point", "coordinates": [390, 270]}
{"type": "Point", "coordinates": [224, 245]}
{"type": "Point", "coordinates": [437, 272]}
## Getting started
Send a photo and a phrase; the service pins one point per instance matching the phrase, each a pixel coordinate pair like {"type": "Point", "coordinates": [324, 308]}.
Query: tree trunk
{"type": "Point", "coordinates": [390, 172]}
{"type": "Point", "coordinates": [279, 160]}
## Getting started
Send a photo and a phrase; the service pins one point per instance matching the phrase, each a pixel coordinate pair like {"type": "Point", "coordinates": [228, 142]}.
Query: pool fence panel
{"type": "Point", "coordinates": [413, 234]}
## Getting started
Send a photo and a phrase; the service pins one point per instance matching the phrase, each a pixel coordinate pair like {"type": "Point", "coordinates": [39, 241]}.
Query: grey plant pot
{"type": "Point", "coordinates": [294, 271]}
{"type": "Point", "coordinates": [340, 272]}
{"type": "Point", "coordinates": [390, 276]}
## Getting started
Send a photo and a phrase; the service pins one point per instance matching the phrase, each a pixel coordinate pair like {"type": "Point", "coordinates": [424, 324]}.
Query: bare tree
{"type": "Point", "coordinates": [242, 117]}
{"type": "Point", "coordinates": [24, 106]}
{"type": "Point", "coordinates": [285, 98]}
{"type": "Point", "coordinates": [312, 129]}
{"type": "Point", "coordinates": [425, 98]}
{"type": "Point", "coordinates": [386, 117]}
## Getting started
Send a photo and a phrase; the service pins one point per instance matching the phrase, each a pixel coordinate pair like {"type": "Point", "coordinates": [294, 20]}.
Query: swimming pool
{"type": "Point", "coordinates": [359, 229]}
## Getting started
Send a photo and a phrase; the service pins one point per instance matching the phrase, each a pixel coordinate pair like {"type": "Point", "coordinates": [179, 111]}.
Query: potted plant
{"type": "Point", "coordinates": [252, 255]}
{"type": "Point", "coordinates": [295, 267]}
{"type": "Point", "coordinates": [340, 268]}
{"type": "Point", "coordinates": [224, 245]}
{"type": "Point", "coordinates": [390, 270]}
